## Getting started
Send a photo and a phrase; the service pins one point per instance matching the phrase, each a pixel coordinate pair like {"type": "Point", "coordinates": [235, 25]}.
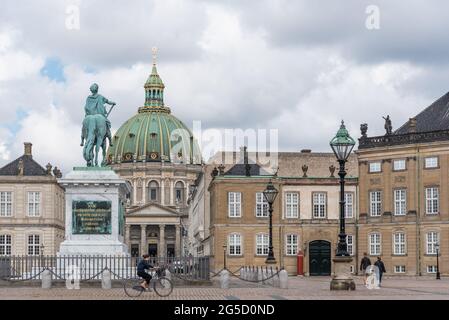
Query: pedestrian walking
{"type": "Point", "coordinates": [365, 263]}
{"type": "Point", "coordinates": [380, 264]}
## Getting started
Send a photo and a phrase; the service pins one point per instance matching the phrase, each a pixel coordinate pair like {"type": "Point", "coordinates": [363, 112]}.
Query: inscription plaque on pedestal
{"type": "Point", "coordinates": [91, 217]}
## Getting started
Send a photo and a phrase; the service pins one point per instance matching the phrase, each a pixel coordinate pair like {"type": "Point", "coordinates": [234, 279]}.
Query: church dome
{"type": "Point", "coordinates": [154, 134]}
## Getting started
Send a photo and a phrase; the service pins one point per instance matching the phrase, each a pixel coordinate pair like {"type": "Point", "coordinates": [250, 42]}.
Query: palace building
{"type": "Point", "coordinates": [31, 207]}
{"type": "Point", "coordinates": [158, 155]}
{"type": "Point", "coordinates": [404, 192]}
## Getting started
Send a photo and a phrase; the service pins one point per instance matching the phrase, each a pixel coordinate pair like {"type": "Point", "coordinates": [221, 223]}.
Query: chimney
{"type": "Point", "coordinates": [245, 161]}
{"type": "Point", "coordinates": [412, 125]}
{"type": "Point", "coordinates": [28, 149]}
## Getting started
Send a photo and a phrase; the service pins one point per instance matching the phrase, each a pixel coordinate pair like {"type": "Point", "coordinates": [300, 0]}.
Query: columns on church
{"type": "Point", "coordinates": [162, 191]}
{"type": "Point", "coordinates": [143, 239]}
{"type": "Point", "coordinates": [178, 241]}
{"type": "Point", "coordinates": [172, 195]}
{"type": "Point", "coordinates": [162, 249]}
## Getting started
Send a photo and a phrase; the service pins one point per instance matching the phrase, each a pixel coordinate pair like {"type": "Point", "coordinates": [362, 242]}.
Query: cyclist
{"type": "Point", "coordinates": [141, 271]}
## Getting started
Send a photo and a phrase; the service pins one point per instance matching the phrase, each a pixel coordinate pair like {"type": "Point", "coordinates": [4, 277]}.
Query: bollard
{"type": "Point", "coordinates": [46, 279]}
{"type": "Point", "coordinates": [224, 279]}
{"type": "Point", "coordinates": [106, 280]}
{"type": "Point", "coordinates": [167, 274]}
{"type": "Point", "coordinates": [283, 279]}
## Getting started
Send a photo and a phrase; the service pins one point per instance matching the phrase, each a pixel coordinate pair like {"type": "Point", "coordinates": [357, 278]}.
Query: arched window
{"type": "Point", "coordinates": [179, 192]}
{"type": "Point", "coordinates": [153, 191]}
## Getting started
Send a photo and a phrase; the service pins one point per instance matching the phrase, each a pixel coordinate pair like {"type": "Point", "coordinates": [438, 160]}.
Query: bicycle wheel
{"type": "Point", "coordinates": [133, 288]}
{"type": "Point", "coordinates": [163, 287]}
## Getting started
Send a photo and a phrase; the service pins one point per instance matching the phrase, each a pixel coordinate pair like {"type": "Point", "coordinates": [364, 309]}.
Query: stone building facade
{"type": "Point", "coordinates": [31, 208]}
{"type": "Point", "coordinates": [159, 157]}
{"type": "Point", "coordinates": [404, 192]}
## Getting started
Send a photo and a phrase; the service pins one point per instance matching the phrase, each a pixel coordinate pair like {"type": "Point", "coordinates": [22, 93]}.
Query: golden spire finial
{"type": "Point", "coordinates": [154, 50]}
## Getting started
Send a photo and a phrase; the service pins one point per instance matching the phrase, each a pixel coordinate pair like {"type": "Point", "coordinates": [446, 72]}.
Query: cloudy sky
{"type": "Point", "coordinates": [295, 66]}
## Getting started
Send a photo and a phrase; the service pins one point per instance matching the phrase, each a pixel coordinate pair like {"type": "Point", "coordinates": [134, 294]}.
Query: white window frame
{"type": "Point", "coordinates": [375, 167]}
{"type": "Point", "coordinates": [5, 244]}
{"type": "Point", "coordinates": [6, 204]}
{"type": "Point", "coordinates": [431, 162]}
{"type": "Point", "coordinates": [34, 203]}
{"type": "Point", "coordinates": [319, 205]}
{"type": "Point", "coordinates": [431, 269]}
{"type": "Point", "coordinates": [262, 244]}
{"type": "Point", "coordinates": [400, 202]}
{"type": "Point", "coordinates": [350, 244]}
{"type": "Point", "coordinates": [291, 205]}
{"type": "Point", "coordinates": [33, 246]}
{"type": "Point", "coordinates": [376, 245]}
{"type": "Point", "coordinates": [234, 204]}
{"type": "Point", "coordinates": [432, 200]}
{"type": "Point", "coordinates": [235, 244]}
{"type": "Point", "coordinates": [399, 243]}
{"type": "Point", "coordinates": [399, 269]}
{"type": "Point", "coordinates": [291, 244]}
{"type": "Point", "coordinates": [397, 167]}
{"type": "Point", "coordinates": [375, 205]}
{"type": "Point", "coordinates": [261, 205]}
{"type": "Point", "coordinates": [349, 205]}
{"type": "Point", "coordinates": [432, 238]}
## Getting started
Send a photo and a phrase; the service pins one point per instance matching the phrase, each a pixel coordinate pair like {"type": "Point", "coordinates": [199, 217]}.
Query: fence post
{"type": "Point", "coordinates": [106, 279]}
{"type": "Point", "coordinates": [46, 279]}
{"type": "Point", "coordinates": [283, 279]}
{"type": "Point", "coordinates": [224, 279]}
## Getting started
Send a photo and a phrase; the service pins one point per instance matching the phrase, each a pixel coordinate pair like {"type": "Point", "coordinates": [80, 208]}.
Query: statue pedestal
{"type": "Point", "coordinates": [95, 213]}
{"type": "Point", "coordinates": [341, 277]}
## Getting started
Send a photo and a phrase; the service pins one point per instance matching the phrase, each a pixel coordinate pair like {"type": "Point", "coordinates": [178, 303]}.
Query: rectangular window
{"type": "Point", "coordinates": [350, 244]}
{"type": "Point", "coordinates": [291, 205]}
{"type": "Point", "coordinates": [399, 269]}
{"type": "Point", "coordinates": [431, 162]}
{"type": "Point", "coordinates": [33, 245]}
{"type": "Point", "coordinates": [375, 198]}
{"type": "Point", "coordinates": [400, 202]}
{"type": "Point", "coordinates": [235, 244]}
{"type": "Point", "coordinates": [399, 245]}
{"type": "Point", "coordinates": [374, 244]}
{"type": "Point", "coordinates": [432, 200]}
{"type": "Point", "coordinates": [291, 244]}
{"type": "Point", "coordinates": [432, 238]}
{"type": "Point", "coordinates": [431, 269]}
{"type": "Point", "coordinates": [34, 201]}
{"type": "Point", "coordinates": [349, 205]}
{"type": "Point", "coordinates": [399, 165]}
{"type": "Point", "coordinates": [319, 205]}
{"type": "Point", "coordinates": [5, 204]}
{"type": "Point", "coordinates": [375, 167]}
{"type": "Point", "coordinates": [5, 244]}
{"type": "Point", "coordinates": [234, 204]}
{"type": "Point", "coordinates": [262, 244]}
{"type": "Point", "coordinates": [261, 205]}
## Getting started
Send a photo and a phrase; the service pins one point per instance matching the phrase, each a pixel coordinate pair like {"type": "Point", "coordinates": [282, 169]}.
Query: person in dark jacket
{"type": "Point", "coordinates": [142, 266]}
{"type": "Point", "coordinates": [380, 264]}
{"type": "Point", "coordinates": [365, 263]}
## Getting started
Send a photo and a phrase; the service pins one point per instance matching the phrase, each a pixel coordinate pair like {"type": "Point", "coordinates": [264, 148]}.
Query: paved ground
{"type": "Point", "coordinates": [314, 288]}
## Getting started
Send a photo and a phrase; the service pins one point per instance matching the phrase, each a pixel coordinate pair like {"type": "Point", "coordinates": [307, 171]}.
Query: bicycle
{"type": "Point", "coordinates": [159, 283]}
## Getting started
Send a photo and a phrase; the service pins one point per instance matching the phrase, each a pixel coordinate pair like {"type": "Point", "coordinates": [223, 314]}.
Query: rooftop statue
{"type": "Point", "coordinates": [96, 127]}
{"type": "Point", "coordinates": [388, 127]}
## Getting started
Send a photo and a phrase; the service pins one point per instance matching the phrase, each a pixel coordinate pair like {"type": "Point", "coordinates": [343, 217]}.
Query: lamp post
{"type": "Point", "coordinates": [342, 145]}
{"type": "Point", "coordinates": [225, 247]}
{"type": "Point", "coordinates": [437, 247]}
{"type": "Point", "coordinates": [270, 194]}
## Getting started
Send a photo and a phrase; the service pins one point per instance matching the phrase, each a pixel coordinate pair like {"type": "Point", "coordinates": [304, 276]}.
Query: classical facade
{"type": "Point", "coordinates": [158, 155]}
{"type": "Point", "coordinates": [305, 217]}
{"type": "Point", "coordinates": [404, 192]}
{"type": "Point", "coordinates": [31, 207]}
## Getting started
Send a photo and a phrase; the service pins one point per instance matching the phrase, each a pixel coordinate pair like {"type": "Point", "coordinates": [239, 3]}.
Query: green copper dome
{"type": "Point", "coordinates": [154, 134]}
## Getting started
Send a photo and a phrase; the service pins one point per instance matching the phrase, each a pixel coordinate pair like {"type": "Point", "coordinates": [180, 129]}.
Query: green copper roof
{"type": "Point", "coordinates": [154, 134]}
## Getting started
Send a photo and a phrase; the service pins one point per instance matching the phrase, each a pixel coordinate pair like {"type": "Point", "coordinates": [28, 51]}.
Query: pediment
{"type": "Point", "coordinates": [153, 209]}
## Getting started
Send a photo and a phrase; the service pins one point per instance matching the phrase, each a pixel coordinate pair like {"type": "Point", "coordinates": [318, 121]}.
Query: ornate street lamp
{"type": "Point", "coordinates": [270, 195]}
{"type": "Point", "coordinates": [342, 145]}
{"type": "Point", "coordinates": [437, 248]}
{"type": "Point", "coordinates": [225, 248]}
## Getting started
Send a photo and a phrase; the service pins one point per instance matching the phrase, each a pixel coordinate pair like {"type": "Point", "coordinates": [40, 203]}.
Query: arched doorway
{"type": "Point", "coordinates": [320, 258]}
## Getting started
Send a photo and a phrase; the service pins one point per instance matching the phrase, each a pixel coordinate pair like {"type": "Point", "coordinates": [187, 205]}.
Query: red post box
{"type": "Point", "coordinates": [299, 263]}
